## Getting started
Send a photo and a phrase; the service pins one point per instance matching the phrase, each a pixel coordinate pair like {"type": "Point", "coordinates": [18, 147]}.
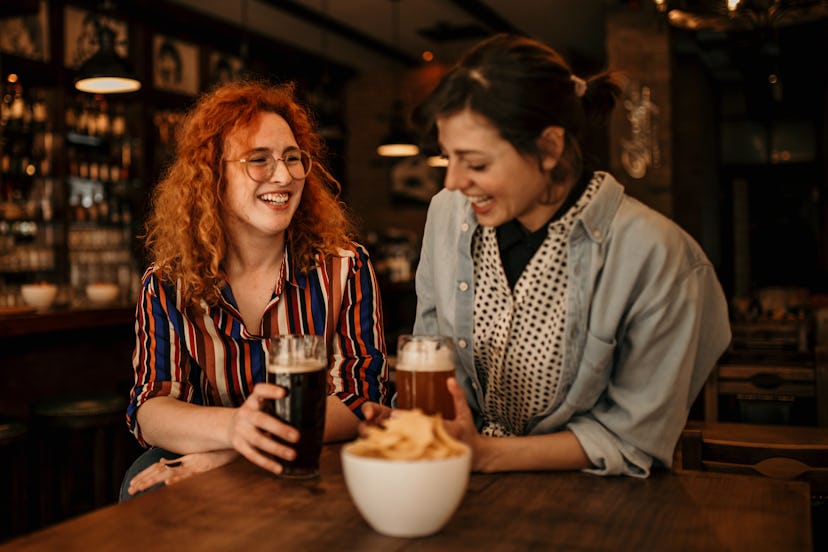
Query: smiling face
{"type": "Point", "coordinates": [500, 183]}
{"type": "Point", "coordinates": [260, 210]}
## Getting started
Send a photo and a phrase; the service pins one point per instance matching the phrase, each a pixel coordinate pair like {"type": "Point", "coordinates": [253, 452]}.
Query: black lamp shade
{"type": "Point", "coordinates": [106, 72]}
{"type": "Point", "coordinates": [398, 143]}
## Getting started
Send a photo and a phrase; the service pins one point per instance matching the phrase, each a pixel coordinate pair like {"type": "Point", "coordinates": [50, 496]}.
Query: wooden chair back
{"type": "Point", "coordinates": [781, 452]}
{"type": "Point", "coordinates": [765, 375]}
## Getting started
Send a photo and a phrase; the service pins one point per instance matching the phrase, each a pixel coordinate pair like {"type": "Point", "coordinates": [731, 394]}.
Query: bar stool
{"type": "Point", "coordinates": [81, 452]}
{"type": "Point", "coordinates": [13, 476]}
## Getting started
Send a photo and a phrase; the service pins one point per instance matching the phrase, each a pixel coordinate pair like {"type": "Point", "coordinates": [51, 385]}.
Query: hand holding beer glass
{"type": "Point", "coordinates": [424, 365]}
{"type": "Point", "coordinates": [299, 363]}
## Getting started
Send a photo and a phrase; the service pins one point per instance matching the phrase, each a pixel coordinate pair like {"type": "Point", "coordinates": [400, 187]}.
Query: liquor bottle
{"type": "Point", "coordinates": [119, 122]}
{"type": "Point", "coordinates": [84, 124]}
{"type": "Point", "coordinates": [40, 111]}
{"type": "Point", "coordinates": [71, 117]}
{"type": "Point", "coordinates": [17, 109]}
{"type": "Point", "coordinates": [102, 121]}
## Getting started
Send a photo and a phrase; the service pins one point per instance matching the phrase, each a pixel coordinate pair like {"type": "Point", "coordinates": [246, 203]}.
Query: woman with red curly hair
{"type": "Point", "coordinates": [247, 239]}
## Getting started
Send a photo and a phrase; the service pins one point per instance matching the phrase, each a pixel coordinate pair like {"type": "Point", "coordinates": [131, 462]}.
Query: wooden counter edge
{"type": "Point", "coordinates": [62, 320]}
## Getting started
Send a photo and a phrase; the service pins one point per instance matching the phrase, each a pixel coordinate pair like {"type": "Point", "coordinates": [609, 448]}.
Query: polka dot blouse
{"type": "Point", "coordinates": [519, 333]}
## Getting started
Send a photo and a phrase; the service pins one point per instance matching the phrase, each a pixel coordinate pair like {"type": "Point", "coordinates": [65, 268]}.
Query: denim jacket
{"type": "Point", "coordinates": [646, 321]}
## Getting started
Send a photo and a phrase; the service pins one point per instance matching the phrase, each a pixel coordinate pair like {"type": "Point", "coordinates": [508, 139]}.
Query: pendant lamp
{"type": "Point", "coordinates": [399, 142]}
{"type": "Point", "coordinates": [106, 72]}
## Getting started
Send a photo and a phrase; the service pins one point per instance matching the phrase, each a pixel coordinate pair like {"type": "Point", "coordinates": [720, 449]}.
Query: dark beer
{"type": "Point", "coordinates": [425, 390]}
{"type": "Point", "coordinates": [303, 408]}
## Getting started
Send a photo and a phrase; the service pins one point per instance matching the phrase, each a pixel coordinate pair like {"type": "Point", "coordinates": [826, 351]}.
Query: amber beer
{"type": "Point", "coordinates": [424, 365]}
{"type": "Point", "coordinates": [301, 369]}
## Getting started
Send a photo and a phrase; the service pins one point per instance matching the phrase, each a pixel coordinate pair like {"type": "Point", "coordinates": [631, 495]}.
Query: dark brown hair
{"type": "Point", "coordinates": [523, 86]}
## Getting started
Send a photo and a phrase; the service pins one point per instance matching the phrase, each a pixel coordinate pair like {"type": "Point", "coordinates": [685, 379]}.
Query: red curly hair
{"type": "Point", "coordinates": [185, 236]}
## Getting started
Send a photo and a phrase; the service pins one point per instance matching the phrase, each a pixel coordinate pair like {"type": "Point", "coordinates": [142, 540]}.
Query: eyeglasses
{"type": "Point", "coordinates": [260, 165]}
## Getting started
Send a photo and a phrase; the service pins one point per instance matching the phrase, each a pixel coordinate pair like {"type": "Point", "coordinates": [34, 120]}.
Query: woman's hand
{"type": "Point", "coordinates": [252, 430]}
{"type": "Point", "coordinates": [375, 413]}
{"type": "Point", "coordinates": [462, 426]}
{"type": "Point", "coordinates": [169, 472]}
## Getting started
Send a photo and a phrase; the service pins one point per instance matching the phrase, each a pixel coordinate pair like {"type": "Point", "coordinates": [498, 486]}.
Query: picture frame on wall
{"type": "Point", "coordinates": [27, 35]}
{"type": "Point", "coordinates": [80, 35]}
{"type": "Point", "coordinates": [223, 67]}
{"type": "Point", "coordinates": [175, 65]}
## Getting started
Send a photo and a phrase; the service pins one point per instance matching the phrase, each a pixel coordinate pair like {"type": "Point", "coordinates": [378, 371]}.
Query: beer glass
{"type": "Point", "coordinates": [424, 364]}
{"type": "Point", "coordinates": [299, 363]}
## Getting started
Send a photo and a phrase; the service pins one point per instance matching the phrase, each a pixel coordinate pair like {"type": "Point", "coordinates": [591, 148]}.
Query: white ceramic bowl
{"type": "Point", "coordinates": [406, 498]}
{"type": "Point", "coordinates": [102, 293]}
{"type": "Point", "coordinates": [39, 296]}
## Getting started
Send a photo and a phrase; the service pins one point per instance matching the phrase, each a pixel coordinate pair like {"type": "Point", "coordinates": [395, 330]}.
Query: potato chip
{"type": "Point", "coordinates": [407, 435]}
{"type": "Point", "coordinates": [447, 440]}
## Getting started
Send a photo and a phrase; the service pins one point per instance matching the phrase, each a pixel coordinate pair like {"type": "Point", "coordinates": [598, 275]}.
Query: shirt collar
{"type": "Point", "coordinates": [290, 275]}
{"type": "Point", "coordinates": [598, 215]}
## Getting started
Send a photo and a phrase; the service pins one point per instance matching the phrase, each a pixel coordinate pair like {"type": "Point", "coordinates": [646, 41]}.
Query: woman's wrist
{"type": "Point", "coordinates": [484, 453]}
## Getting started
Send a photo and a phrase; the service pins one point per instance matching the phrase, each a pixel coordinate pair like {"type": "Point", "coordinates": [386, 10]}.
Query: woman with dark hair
{"type": "Point", "coordinates": [585, 323]}
{"type": "Point", "coordinates": [247, 239]}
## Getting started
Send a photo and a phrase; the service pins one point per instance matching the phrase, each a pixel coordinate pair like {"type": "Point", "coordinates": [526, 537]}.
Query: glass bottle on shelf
{"type": "Point", "coordinates": [100, 155]}
{"type": "Point", "coordinates": [17, 109]}
{"type": "Point", "coordinates": [29, 234]}
{"type": "Point", "coordinates": [119, 122]}
{"type": "Point", "coordinates": [40, 111]}
{"type": "Point", "coordinates": [102, 119]}
{"type": "Point", "coordinates": [66, 186]}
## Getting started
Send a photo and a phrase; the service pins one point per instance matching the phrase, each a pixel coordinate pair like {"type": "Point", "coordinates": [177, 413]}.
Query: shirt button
{"type": "Point", "coordinates": [596, 234]}
{"type": "Point", "coordinates": [464, 227]}
{"type": "Point", "coordinates": [463, 286]}
{"type": "Point", "coordinates": [462, 343]}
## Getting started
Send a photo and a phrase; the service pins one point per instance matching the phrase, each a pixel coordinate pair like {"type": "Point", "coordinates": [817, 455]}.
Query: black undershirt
{"type": "Point", "coordinates": [518, 246]}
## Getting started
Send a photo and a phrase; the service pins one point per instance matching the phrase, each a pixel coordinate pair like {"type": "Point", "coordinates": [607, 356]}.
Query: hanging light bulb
{"type": "Point", "coordinates": [106, 72]}
{"type": "Point", "coordinates": [439, 161]}
{"type": "Point", "coordinates": [399, 142]}
{"type": "Point", "coordinates": [741, 15]}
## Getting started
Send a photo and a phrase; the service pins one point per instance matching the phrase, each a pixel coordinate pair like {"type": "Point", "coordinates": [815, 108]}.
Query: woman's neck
{"type": "Point", "coordinates": [253, 272]}
{"type": "Point", "coordinates": [265, 256]}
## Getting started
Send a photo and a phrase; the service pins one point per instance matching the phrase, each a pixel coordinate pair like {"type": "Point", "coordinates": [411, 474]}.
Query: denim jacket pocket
{"type": "Point", "coordinates": [593, 374]}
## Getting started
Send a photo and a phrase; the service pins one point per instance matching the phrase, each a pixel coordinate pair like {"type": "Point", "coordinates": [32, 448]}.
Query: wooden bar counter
{"type": "Point", "coordinates": [241, 507]}
{"type": "Point", "coordinates": [30, 323]}
{"type": "Point", "coordinates": [60, 351]}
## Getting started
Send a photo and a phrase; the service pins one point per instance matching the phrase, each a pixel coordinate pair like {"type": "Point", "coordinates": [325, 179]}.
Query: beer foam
{"type": "Point", "coordinates": [283, 366]}
{"type": "Point", "coordinates": [425, 356]}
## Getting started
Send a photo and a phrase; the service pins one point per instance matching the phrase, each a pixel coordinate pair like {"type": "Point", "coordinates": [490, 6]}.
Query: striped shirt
{"type": "Point", "coordinates": [212, 359]}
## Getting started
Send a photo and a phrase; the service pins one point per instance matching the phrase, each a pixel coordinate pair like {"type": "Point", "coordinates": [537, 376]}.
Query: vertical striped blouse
{"type": "Point", "coordinates": [212, 359]}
